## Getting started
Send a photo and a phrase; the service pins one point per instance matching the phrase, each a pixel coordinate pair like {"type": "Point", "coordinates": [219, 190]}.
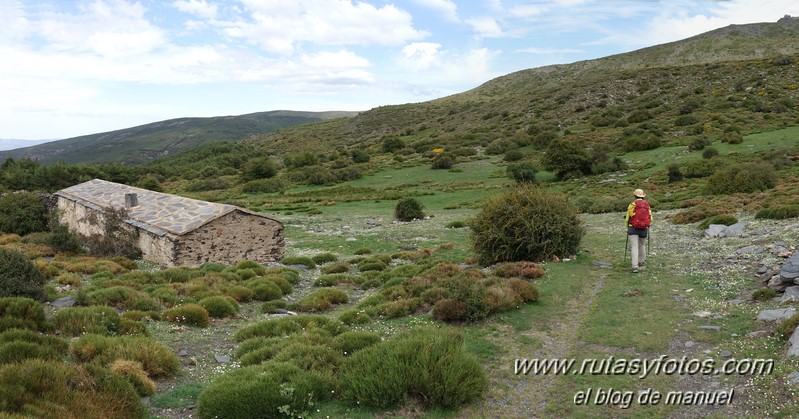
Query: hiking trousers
{"type": "Point", "coordinates": [638, 250]}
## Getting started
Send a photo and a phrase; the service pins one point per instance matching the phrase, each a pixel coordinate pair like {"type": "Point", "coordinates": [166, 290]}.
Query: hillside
{"type": "Point", "coordinates": [146, 142]}
{"type": "Point", "coordinates": [741, 75]}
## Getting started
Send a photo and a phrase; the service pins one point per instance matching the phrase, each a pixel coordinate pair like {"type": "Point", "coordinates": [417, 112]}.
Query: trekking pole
{"type": "Point", "coordinates": [625, 247]}
{"type": "Point", "coordinates": [648, 240]}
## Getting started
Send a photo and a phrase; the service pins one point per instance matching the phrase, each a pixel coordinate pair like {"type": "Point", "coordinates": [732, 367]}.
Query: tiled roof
{"type": "Point", "coordinates": [156, 212]}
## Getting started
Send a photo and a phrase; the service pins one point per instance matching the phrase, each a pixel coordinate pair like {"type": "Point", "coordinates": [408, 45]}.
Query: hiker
{"type": "Point", "coordinates": [638, 218]}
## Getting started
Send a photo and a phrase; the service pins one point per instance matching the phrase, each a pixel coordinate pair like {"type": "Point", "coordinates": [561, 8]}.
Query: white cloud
{"type": "Point", "coordinates": [447, 8]}
{"type": "Point", "coordinates": [279, 27]}
{"type": "Point", "coordinates": [421, 55]}
{"type": "Point", "coordinates": [527, 11]}
{"type": "Point", "coordinates": [199, 8]}
{"type": "Point", "coordinates": [485, 27]}
{"type": "Point", "coordinates": [674, 23]}
{"type": "Point", "coordinates": [545, 51]}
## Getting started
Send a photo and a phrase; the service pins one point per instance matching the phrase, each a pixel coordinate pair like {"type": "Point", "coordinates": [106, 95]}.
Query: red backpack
{"type": "Point", "coordinates": [641, 218]}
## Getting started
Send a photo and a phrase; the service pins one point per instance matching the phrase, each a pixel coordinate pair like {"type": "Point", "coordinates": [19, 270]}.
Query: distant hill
{"type": "Point", "coordinates": [13, 144]}
{"type": "Point", "coordinates": [146, 142]}
{"type": "Point", "coordinates": [741, 78]}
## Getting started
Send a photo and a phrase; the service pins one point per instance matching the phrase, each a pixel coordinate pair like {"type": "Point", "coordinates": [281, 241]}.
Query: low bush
{"type": "Point", "coordinates": [786, 328]}
{"type": "Point", "coordinates": [289, 325]}
{"type": "Point", "coordinates": [334, 268]}
{"type": "Point", "coordinates": [271, 306]}
{"type": "Point", "coordinates": [51, 388]}
{"type": "Point", "coordinates": [22, 213]}
{"type": "Point", "coordinates": [455, 224]}
{"type": "Point", "coordinates": [424, 361]}
{"type": "Point", "coordinates": [299, 260]}
{"type": "Point", "coordinates": [264, 289]}
{"type": "Point", "coordinates": [17, 345]}
{"type": "Point", "coordinates": [363, 251]}
{"type": "Point", "coordinates": [219, 306]}
{"type": "Point", "coordinates": [156, 359]}
{"type": "Point", "coordinates": [530, 270]}
{"type": "Point", "coordinates": [281, 282]}
{"type": "Point", "coordinates": [270, 390]}
{"type": "Point", "coordinates": [741, 178]}
{"type": "Point", "coordinates": [21, 313]}
{"type": "Point", "coordinates": [699, 143]}
{"type": "Point", "coordinates": [522, 172]}
{"type": "Point", "coordinates": [134, 372]}
{"type": "Point", "coordinates": [323, 258]}
{"type": "Point", "coordinates": [322, 299]}
{"type": "Point", "coordinates": [778, 213]}
{"type": "Point", "coordinates": [409, 209]}
{"type": "Point", "coordinates": [355, 316]}
{"type": "Point", "coordinates": [527, 223]}
{"type": "Point", "coordinates": [331, 280]}
{"type": "Point", "coordinates": [119, 297]}
{"type": "Point", "coordinates": [352, 341]}
{"type": "Point", "coordinates": [75, 321]}
{"type": "Point", "coordinates": [19, 276]}
{"type": "Point", "coordinates": [450, 310]}
{"type": "Point", "coordinates": [763, 294]}
{"type": "Point", "coordinates": [709, 153]}
{"type": "Point", "coordinates": [442, 161]}
{"type": "Point", "coordinates": [673, 173]}
{"type": "Point", "coordinates": [190, 314]}
{"type": "Point", "coordinates": [726, 219]}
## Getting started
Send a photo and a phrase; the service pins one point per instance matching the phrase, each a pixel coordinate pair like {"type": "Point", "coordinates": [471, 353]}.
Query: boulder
{"type": "Point", "coordinates": [789, 271]}
{"type": "Point", "coordinates": [715, 230]}
{"type": "Point", "coordinates": [776, 314]}
{"type": "Point", "coordinates": [791, 295]}
{"type": "Point", "coordinates": [793, 349]}
{"type": "Point", "coordinates": [753, 249]}
{"type": "Point", "coordinates": [735, 230]}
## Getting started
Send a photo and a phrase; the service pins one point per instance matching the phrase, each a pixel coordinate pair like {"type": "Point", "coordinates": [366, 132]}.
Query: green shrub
{"type": "Point", "coordinates": [450, 310]}
{"type": "Point", "coordinates": [423, 361]}
{"type": "Point", "coordinates": [264, 186]}
{"type": "Point", "coordinates": [264, 289]}
{"type": "Point", "coordinates": [685, 120]}
{"type": "Point", "coordinates": [409, 209]}
{"type": "Point", "coordinates": [513, 155]}
{"type": "Point", "coordinates": [726, 219]}
{"type": "Point", "coordinates": [323, 258]}
{"type": "Point", "coordinates": [288, 325]}
{"type": "Point", "coordinates": [269, 390]}
{"type": "Point", "coordinates": [352, 341]}
{"type": "Point", "coordinates": [763, 294]}
{"type": "Point", "coordinates": [259, 168]}
{"type": "Point", "coordinates": [156, 359]}
{"type": "Point", "coordinates": [709, 153]}
{"type": "Point", "coordinates": [51, 388]}
{"type": "Point", "coordinates": [355, 316]}
{"type": "Point", "coordinates": [778, 212]}
{"type": "Point", "coordinates": [75, 321]}
{"type": "Point", "coordinates": [299, 260]}
{"type": "Point", "coordinates": [62, 239]}
{"type": "Point", "coordinates": [17, 345]}
{"type": "Point", "coordinates": [456, 224]}
{"type": "Point", "coordinates": [271, 306]}
{"type": "Point", "coordinates": [120, 297]}
{"type": "Point", "coordinates": [699, 143]}
{"type": "Point", "coordinates": [641, 142]}
{"type": "Point", "coordinates": [673, 173]}
{"type": "Point", "coordinates": [134, 373]}
{"type": "Point", "coordinates": [282, 283]}
{"type": "Point", "coordinates": [732, 137]}
{"type": "Point", "coordinates": [442, 161]}
{"type": "Point", "coordinates": [335, 268]}
{"type": "Point", "coordinates": [786, 328]}
{"type": "Point", "coordinates": [567, 158]}
{"type": "Point", "coordinates": [190, 314]}
{"type": "Point", "coordinates": [371, 265]}
{"type": "Point", "coordinates": [322, 299]}
{"type": "Point", "coordinates": [21, 312]}
{"type": "Point", "coordinates": [19, 276]}
{"type": "Point", "coordinates": [363, 251]}
{"type": "Point", "coordinates": [526, 223]}
{"type": "Point", "coordinates": [220, 307]}
{"type": "Point", "coordinates": [22, 213]}
{"type": "Point", "coordinates": [741, 178]}
{"type": "Point", "coordinates": [522, 172]}
{"type": "Point", "coordinates": [331, 280]}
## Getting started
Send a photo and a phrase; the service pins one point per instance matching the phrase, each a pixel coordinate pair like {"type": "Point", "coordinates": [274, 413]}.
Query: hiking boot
{"type": "Point", "coordinates": [634, 270]}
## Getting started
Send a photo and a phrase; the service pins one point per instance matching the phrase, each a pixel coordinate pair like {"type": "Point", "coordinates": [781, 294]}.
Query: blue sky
{"type": "Point", "coordinates": [74, 67]}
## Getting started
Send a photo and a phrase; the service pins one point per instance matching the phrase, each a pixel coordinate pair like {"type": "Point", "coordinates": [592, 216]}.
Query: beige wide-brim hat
{"type": "Point", "coordinates": [639, 193]}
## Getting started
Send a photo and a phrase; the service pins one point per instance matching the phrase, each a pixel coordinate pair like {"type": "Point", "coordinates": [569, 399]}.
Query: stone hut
{"type": "Point", "coordinates": [172, 230]}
